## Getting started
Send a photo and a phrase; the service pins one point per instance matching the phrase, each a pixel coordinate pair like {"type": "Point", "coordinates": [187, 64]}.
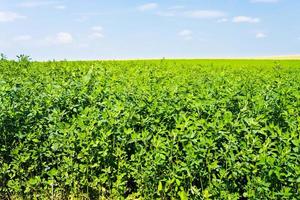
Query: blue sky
{"type": "Point", "coordinates": [119, 29]}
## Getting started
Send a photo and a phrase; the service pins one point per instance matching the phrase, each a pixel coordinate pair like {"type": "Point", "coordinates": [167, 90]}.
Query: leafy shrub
{"type": "Point", "coordinates": [23, 61]}
{"type": "Point", "coordinates": [2, 57]}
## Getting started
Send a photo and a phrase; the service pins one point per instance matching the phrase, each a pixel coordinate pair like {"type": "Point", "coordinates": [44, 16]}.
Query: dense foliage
{"type": "Point", "coordinates": [169, 129]}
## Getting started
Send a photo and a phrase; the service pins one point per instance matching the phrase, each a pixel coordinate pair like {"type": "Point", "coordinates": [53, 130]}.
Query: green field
{"type": "Point", "coordinates": [155, 129]}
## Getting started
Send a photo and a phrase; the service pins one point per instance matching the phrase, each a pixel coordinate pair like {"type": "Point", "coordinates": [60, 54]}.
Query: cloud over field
{"type": "Point", "coordinates": [186, 34]}
{"type": "Point", "coordinates": [204, 14]}
{"type": "Point", "coordinates": [245, 19]}
{"type": "Point", "coordinates": [60, 7]}
{"type": "Point", "coordinates": [260, 35]}
{"type": "Point", "coordinates": [8, 16]}
{"type": "Point", "coordinates": [148, 6]}
{"type": "Point", "coordinates": [64, 38]}
{"type": "Point", "coordinates": [193, 14]}
{"type": "Point", "coordinates": [22, 38]}
{"type": "Point", "coordinates": [42, 3]}
{"type": "Point", "coordinates": [97, 32]}
{"type": "Point", "coordinates": [61, 38]}
{"type": "Point", "coordinates": [222, 20]}
{"type": "Point", "coordinates": [264, 1]}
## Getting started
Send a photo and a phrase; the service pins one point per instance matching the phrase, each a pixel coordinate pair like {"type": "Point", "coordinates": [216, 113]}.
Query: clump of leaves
{"type": "Point", "coordinates": [3, 57]}
{"type": "Point", "coordinates": [23, 61]}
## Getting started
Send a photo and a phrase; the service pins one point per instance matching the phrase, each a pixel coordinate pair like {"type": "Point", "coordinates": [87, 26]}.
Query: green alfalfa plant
{"type": "Point", "coordinates": [3, 61]}
{"type": "Point", "coordinates": [3, 57]}
{"type": "Point", "coordinates": [23, 61]}
{"type": "Point", "coordinates": [277, 69]}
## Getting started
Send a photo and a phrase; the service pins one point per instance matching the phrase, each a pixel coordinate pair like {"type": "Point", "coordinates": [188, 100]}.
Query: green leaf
{"type": "Point", "coordinates": [160, 187]}
{"type": "Point", "coordinates": [183, 195]}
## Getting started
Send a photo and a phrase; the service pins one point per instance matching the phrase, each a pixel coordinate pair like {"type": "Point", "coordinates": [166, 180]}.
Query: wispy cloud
{"type": "Point", "coordinates": [222, 20]}
{"type": "Point", "coordinates": [186, 34]}
{"type": "Point", "coordinates": [96, 35]}
{"type": "Point", "coordinates": [7, 16]}
{"type": "Point", "coordinates": [167, 13]}
{"type": "Point", "coordinates": [34, 4]}
{"type": "Point", "coordinates": [60, 7]}
{"type": "Point", "coordinates": [264, 1]}
{"type": "Point", "coordinates": [260, 35]}
{"type": "Point", "coordinates": [177, 7]}
{"type": "Point", "coordinates": [97, 32]}
{"type": "Point", "coordinates": [61, 38]}
{"type": "Point", "coordinates": [42, 3]}
{"type": "Point", "coordinates": [97, 28]}
{"type": "Point", "coordinates": [193, 14]}
{"type": "Point", "coordinates": [148, 6]}
{"type": "Point", "coordinates": [22, 38]}
{"type": "Point", "coordinates": [64, 38]}
{"type": "Point", "coordinates": [204, 14]}
{"type": "Point", "coordinates": [245, 19]}
{"type": "Point", "coordinates": [82, 17]}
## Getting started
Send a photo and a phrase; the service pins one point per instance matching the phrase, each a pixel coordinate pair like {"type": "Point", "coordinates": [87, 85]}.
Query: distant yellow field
{"type": "Point", "coordinates": [285, 57]}
{"type": "Point", "coordinates": [288, 57]}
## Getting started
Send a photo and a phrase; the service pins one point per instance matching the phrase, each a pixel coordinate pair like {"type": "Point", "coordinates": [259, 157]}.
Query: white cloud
{"type": "Point", "coordinates": [82, 17]}
{"type": "Point", "coordinates": [61, 38]}
{"type": "Point", "coordinates": [222, 20]}
{"type": "Point", "coordinates": [204, 14]}
{"type": "Point", "coordinates": [34, 4]}
{"type": "Point", "coordinates": [10, 16]}
{"type": "Point", "coordinates": [22, 38]}
{"type": "Point", "coordinates": [178, 7]}
{"type": "Point", "coordinates": [177, 11]}
{"type": "Point", "coordinates": [148, 6]}
{"type": "Point", "coordinates": [64, 38]}
{"type": "Point", "coordinates": [260, 35]}
{"type": "Point", "coordinates": [97, 28]}
{"type": "Point", "coordinates": [97, 32]}
{"type": "Point", "coordinates": [245, 19]}
{"type": "Point", "coordinates": [167, 14]}
{"type": "Point", "coordinates": [37, 4]}
{"type": "Point", "coordinates": [96, 35]}
{"type": "Point", "coordinates": [60, 7]}
{"type": "Point", "coordinates": [264, 1]}
{"type": "Point", "coordinates": [186, 34]}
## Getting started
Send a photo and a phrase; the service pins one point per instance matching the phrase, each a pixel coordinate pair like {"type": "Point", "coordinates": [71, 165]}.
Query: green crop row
{"type": "Point", "coordinates": [167, 129]}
